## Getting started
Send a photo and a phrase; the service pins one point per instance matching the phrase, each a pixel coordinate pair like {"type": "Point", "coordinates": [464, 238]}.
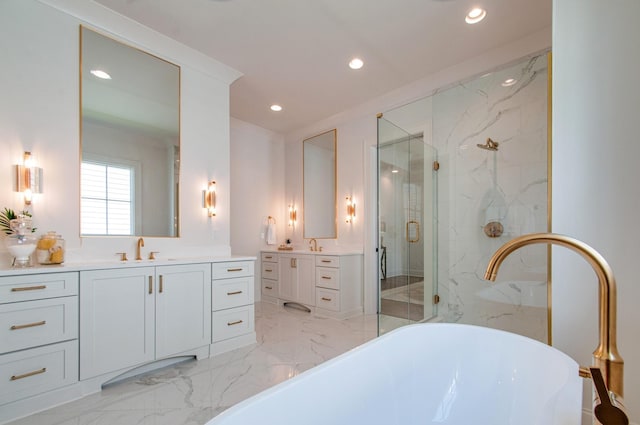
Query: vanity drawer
{"type": "Point", "coordinates": [327, 278]}
{"type": "Point", "coordinates": [270, 270]}
{"type": "Point", "coordinates": [328, 299]}
{"type": "Point", "coordinates": [232, 322]}
{"type": "Point", "coordinates": [228, 293]}
{"type": "Point", "coordinates": [270, 257]}
{"type": "Point", "coordinates": [33, 323]}
{"type": "Point", "coordinates": [230, 269]}
{"type": "Point", "coordinates": [37, 286]}
{"type": "Point", "coordinates": [270, 287]}
{"type": "Point", "coordinates": [38, 370]}
{"type": "Point", "coordinates": [327, 261]}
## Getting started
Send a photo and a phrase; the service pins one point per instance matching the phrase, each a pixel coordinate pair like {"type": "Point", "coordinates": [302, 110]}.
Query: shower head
{"type": "Point", "coordinates": [490, 145]}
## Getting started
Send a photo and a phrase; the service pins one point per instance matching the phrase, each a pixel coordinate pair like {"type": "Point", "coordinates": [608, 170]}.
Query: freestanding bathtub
{"type": "Point", "coordinates": [427, 374]}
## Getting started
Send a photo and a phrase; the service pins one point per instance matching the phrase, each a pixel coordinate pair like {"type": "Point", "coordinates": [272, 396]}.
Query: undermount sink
{"type": "Point", "coordinates": [427, 374]}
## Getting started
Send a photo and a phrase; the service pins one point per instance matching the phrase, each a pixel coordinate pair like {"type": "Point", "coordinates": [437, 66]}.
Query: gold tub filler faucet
{"type": "Point", "coordinates": [606, 359]}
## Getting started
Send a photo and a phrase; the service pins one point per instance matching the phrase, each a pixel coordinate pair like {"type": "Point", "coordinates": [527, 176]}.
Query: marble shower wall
{"type": "Point", "coordinates": [509, 185]}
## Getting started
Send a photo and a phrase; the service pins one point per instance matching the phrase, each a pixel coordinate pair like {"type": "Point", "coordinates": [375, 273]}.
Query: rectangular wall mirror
{"type": "Point", "coordinates": [130, 140]}
{"type": "Point", "coordinates": [319, 186]}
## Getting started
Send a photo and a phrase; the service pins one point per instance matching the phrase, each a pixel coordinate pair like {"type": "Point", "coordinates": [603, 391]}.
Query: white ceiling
{"type": "Point", "coordinates": [295, 52]}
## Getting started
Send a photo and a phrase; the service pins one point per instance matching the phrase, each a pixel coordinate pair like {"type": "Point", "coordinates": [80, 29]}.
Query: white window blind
{"type": "Point", "coordinates": [106, 201]}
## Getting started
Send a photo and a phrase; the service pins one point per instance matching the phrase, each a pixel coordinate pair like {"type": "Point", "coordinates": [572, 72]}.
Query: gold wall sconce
{"type": "Point", "coordinates": [293, 215]}
{"type": "Point", "coordinates": [351, 209]}
{"type": "Point", "coordinates": [28, 178]}
{"type": "Point", "coordinates": [209, 198]}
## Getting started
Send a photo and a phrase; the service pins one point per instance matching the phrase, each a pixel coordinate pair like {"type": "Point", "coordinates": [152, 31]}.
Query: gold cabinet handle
{"type": "Point", "coordinates": [326, 277]}
{"type": "Point", "coordinates": [234, 293]}
{"type": "Point", "coordinates": [235, 270]}
{"type": "Point", "coordinates": [28, 374]}
{"type": "Point", "coordinates": [28, 325]}
{"type": "Point", "coordinates": [29, 288]}
{"type": "Point", "coordinates": [161, 288]}
{"type": "Point", "coordinates": [268, 287]}
{"type": "Point", "coordinates": [325, 299]}
{"type": "Point", "coordinates": [237, 322]}
{"type": "Point", "coordinates": [151, 284]}
{"type": "Point", "coordinates": [412, 224]}
{"type": "Point", "coordinates": [269, 257]}
{"type": "Point", "coordinates": [326, 261]}
{"type": "Point", "coordinates": [268, 270]}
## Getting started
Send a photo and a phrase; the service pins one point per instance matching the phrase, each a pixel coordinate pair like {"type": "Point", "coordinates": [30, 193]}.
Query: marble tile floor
{"type": "Point", "coordinates": [192, 392]}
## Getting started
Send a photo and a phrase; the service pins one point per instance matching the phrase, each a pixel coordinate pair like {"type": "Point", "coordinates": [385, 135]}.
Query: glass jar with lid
{"type": "Point", "coordinates": [50, 249]}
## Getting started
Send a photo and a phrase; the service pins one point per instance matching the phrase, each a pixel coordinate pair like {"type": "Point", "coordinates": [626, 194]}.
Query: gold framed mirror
{"type": "Point", "coordinates": [130, 140]}
{"type": "Point", "coordinates": [319, 186]}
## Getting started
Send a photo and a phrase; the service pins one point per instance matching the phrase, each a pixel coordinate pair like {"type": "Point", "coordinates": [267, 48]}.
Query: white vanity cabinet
{"type": "Point", "coordinates": [329, 284]}
{"type": "Point", "coordinates": [39, 334]}
{"type": "Point", "coordinates": [338, 292]}
{"type": "Point", "coordinates": [233, 315]}
{"type": "Point", "coordinates": [297, 278]}
{"type": "Point", "coordinates": [132, 316]}
{"type": "Point", "coordinates": [269, 264]}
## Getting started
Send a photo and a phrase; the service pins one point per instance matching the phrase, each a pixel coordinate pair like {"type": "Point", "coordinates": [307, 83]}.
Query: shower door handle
{"type": "Point", "coordinates": [411, 238]}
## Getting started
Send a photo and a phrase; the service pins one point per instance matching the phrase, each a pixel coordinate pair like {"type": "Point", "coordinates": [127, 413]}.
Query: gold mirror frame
{"type": "Point", "coordinates": [320, 199]}
{"type": "Point", "coordinates": [130, 122]}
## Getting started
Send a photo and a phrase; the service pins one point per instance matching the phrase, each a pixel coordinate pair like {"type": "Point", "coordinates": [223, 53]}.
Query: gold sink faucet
{"type": "Point", "coordinates": [315, 244]}
{"type": "Point", "coordinates": [606, 356]}
{"type": "Point", "coordinates": [140, 245]}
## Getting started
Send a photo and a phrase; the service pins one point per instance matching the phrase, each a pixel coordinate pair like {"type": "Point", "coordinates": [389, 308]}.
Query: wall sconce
{"type": "Point", "coordinates": [293, 215]}
{"type": "Point", "coordinates": [28, 178]}
{"type": "Point", "coordinates": [209, 198]}
{"type": "Point", "coordinates": [351, 209]}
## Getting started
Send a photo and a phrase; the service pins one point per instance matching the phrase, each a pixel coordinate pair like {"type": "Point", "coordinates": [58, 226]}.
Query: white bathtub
{"type": "Point", "coordinates": [427, 374]}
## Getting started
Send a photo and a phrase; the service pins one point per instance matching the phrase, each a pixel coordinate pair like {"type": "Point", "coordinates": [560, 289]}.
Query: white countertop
{"type": "Point", "coordinates": [309, 252]}
{"type": "Point", "coordinates": [7, 270]}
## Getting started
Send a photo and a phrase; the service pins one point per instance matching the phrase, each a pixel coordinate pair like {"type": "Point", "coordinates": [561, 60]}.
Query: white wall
{"type": "Point", "coordinates": [257, 185]}
{"type": "Point", "coordinates": [39, 112]}
{"type": "Point", "coordinates": [596, 99]}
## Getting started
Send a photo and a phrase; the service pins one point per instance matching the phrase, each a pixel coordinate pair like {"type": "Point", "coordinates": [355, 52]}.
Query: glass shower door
{"type": "Point", "coordinates": [406, 218]}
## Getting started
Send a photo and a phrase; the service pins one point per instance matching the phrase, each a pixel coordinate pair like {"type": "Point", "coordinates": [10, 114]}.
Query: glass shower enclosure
{"type": "Point", "coordinates": [407, 231]}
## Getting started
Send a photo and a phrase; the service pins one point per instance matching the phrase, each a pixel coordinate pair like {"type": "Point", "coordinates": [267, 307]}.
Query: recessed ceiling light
{"type": "Point", "coordinates": [276, 108]}
{"type": "Point", "coordinates": [509, 82]}
{"type": "Point", "coordinates": [100, 74]}
{"type": "Point", "coordinates": [394, 171]}
{"type": "Point", "coordinates": [356, 63]}
{"type": "Point", "coordinates": [475, 15]}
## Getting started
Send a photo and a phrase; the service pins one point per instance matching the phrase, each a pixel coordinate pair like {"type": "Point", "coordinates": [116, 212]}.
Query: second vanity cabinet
{"type": "Point", "coordinates": [132, 316]}
{"type": "Point", "coordinates": [330, 284]}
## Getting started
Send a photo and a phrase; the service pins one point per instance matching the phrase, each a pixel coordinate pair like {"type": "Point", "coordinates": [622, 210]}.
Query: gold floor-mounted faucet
{"type": "Point", "coordinates": [138, 249]}
{"type": "Point", "coordinates": [606, 356]}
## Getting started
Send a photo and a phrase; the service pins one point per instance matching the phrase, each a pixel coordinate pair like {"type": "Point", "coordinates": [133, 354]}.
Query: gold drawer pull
{"type": "Point", "coordinates": [29, 288]}
{"type": "Point", "coordinates": [326, 277]}
{"type": "Point", "coordinates": [268, 287]}
{"type": "Point", "coordinates": [268, 270]}
{"type": "Point", "coordinates": [325, 299]}
{"type": "Point", "coordinates": [235, 270]}
{"type": "Point", "coordinates": [28, 374]}
{"type": "Point", "coordinates": [237, 322]}
{"type": "Point", "coordinates": [234, 293]}
{"type": "Point", "coordinates": [269, 257]}
{"type": "Point", "coordinates": [151, 284]}
{"type": "Point", "coordinates": [28, 325]}
{"type": "Point", "coordinates": [326, 261]}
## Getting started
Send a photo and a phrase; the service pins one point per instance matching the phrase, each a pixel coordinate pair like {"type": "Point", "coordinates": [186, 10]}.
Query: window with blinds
{"type": "Point", "coordinates": [106, 199]}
